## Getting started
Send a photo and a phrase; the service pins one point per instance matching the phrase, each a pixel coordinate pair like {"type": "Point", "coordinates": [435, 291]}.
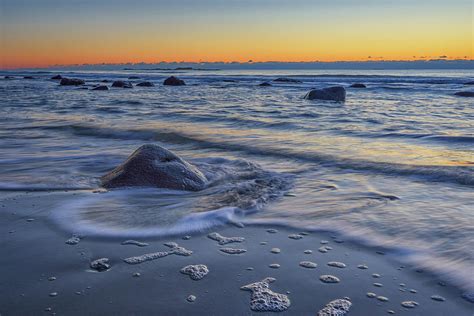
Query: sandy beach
{"type": "Point", "coordinates": [42, 274]}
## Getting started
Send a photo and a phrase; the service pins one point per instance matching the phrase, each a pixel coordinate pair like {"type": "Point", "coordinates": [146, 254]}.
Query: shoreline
{"type": "Point", "coordinates": [36, 251]}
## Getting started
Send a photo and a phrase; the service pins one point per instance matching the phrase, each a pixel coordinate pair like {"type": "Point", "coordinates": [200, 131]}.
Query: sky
{"type": "Point", "coordinates": [41, 33]}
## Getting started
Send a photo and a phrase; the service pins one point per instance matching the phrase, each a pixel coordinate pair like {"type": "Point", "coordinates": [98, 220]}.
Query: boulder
{"type": "Point", "coordinates": [122, 84]}
{"type": "Point", "coordinates": [154, 166]}
{"type": "Point", "coordinates": [288, 80]}
{"type": "Point", "coordinates": [336, 93]}
{"type": "Point", "coordinates": [133, 77]}
{"type": "Point", "coordinates": [265, 84]}
{"type": "Point", "coordinates": [358, 85]}
{"type": "Point", "coordinates": [71, 82]}
{"type": "Point", "coordinates": [145, 84]}
{"type": "Point", "coordinates": [104, 81]}
{"type": "Point", "coordinates": [57, 77]}
{"type": "Point", "coordinates": [467, 94]}
{"type": "Point", "coordinates": [100, 88]}
{"type": "Point", "coordinates": [173, 81]}
{"type": "Point", "coordinates": [28, 77]}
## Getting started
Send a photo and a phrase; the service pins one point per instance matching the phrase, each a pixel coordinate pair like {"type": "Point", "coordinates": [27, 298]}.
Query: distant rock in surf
{"type": "Point", "coordinates": [469, 83]}
{"type": "Point", "coordinates": [101, 88]}
{"type": "Point", "coordinates": [122, 84]}
{"type": "Point", "coordinates": [288, 80]}
{"type": "Point", "coordinates": [466, 94]}
{"type": "Point", "coordinates": [57, 77]}
{"type": "Point", "coordinates": [145, 84]}
{"type": "Point", "coordinates": [133, 77]}
{"type": "Point", "coordinates": [71, 82]}
{"type": "Point", "coordinates": [335, 93]}
{"type": "Point", "coordinates": [358, 85]}
{"type": "Point", "coordinates": [105, 81]}
{"type": "Point", "coordinates": [28, 77]}
{"type": "Point", "coordinates": [8, 77]}
{"type": "Point", "coordinates": [173, 81]}
{"type": "Point", "coordinates": [265, 84]}
{"type": "Point", "coordinates": [155, 166]}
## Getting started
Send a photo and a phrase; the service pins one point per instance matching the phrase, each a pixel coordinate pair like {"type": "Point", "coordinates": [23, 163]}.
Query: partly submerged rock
{"type": "Point", "coordinates": [288, 80]}
{"type": "Point", "coordinates": [173, 81]}
{"type": "Point", "coordinates": [133, 77]}
{"type": "Point", "coordinates": [28, 77]}
{"type": "Point", "coordinates": [469, 83]}
{"type": "Point", "coordinates": [57, 77]}
{"type": "Point", "coordinates": [358, 85]}
{"type": "Point", "coordinates": [152, 165]}
{"type": "Point", "coordinates": [122, 84]}
{"type": "Point", "coordinates": [145, 84]}
{"type": "Point", "coordinates": [71, 82]}
{"type": "Point", "coordinates": [335, 93]}
{"type": "Point", "coordinates": [265, 84]}
{"type": "Point", "coordinates": [467, 94]}
{"type": "Point", "coordinates": [101, 88]}
{"type": "Point", "coordinates": [8, 77]}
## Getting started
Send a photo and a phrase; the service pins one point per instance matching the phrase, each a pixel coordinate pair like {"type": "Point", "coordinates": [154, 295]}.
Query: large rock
{"type": "Point", "coordinates": [467, 94]}
{"type": "Point", "coordinates": [155, 166]}
{"type": "Point", "coordinates": [336, 93]}
{"type": "Point", "coordinates": [265, 84]}
{"type": "Point", "coordinates": [71, 82]}
{"type": "Point", "coordinates": [173, 81]}
{"type": "Point", "coordinates": [145, 84]}
{"type": "Point", "coordinates": [57, 77]}
{"type": "Point", "coordinates": [122, 84]}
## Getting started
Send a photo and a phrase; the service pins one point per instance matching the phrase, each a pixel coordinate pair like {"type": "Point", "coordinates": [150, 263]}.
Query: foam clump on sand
{"type": "Point", "coordinates": [295, 236]}
{"type": "Point", "coordinates": [324, 249]}
{"type": "Point", "coordinates": [337, 307]}
{"type": "Point", "coordinates": [196, 271]}
{"type": "Point", "coordinates": [175, 249]}
{"type": "Point", "coordinates": [275, 250]}
{"type": "Point", "coordinates": [265, 300]}
{"type": "Point", "coordinates": [74, 240]}
{"type": "Point", "coordinates": [224, 240]}
{"type": "Point", "coordinates": [327, 278]}
{"type": "Point", "coordinates": [308, 264]}
{"type": "Point", "coordinates": [336, 264]}
{"type": "Point", "coordinates": [100, 265]}
{"type": "Point", "coordinates": [232, 251]}
{"type": "Point", "coordinates": [409, 304]}
{"type": "Point", "coordinates": [135, 242]}
{"type": "Point", "coordinates": [438, 298]}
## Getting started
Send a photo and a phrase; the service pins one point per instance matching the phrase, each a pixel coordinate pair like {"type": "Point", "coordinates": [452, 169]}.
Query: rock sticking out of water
{"type": "Point", "coordinates": [337, 307]}
{"type": "Point", "coordinates": [327, 278]}
{"type": "Point", "coordinates": [233, 251]}
{"type": "Point", "coordinates": [135, 242]}
{"type": "Point", "coordinates": [336, 93]}
{"type": "Point", "coordinates": [224, 240]}
{"type": "Point", "coordinates": [100, 265]}
{"type": "Point", "coordinates": [74, 240]}
{"type": "Point", "coordinates": [308, 264]}
{"type": "Point", "coordinates": [71, 82]}
{"type": "Point", "coordinates": [336, 264]}
{"type": "Point", "coordinates": [196, 271]}
{"type": "Point", "coordinates": [409, 304]}
{"type": "Point", "coordinates": [265, 300]}
{"type": "Point", "coordinates": [173, 81]}
{"type": "Point", "coordinates": [122, 84]}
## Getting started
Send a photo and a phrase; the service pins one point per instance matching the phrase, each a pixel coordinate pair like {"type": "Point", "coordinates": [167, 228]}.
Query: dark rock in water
{"type": "Point", "coordinates": [331, 94]}
{"type": "Point", "coordinates": [28, 77]}
{"type": "Point", "coordinates": [265, 84]}
{"type": "Point", "coordinates": [173, 81]}
{"type": "Point", "coordinates": [100, 265]}
{"type": "Point", "coordinates": [229, 80]}
{"type": "Point", "coordinates": [8, 77]}
{"type": "Point", "coordinates": [100, 88]}
{"type": "Point", "coordinates": [289, 80]}
{"type": "Point", "coordinates": [470, 83]}
{"type": "Point", "coordinates": [145, 84]}
{"type": "Point", "coordinates": [358, 85]}
{"type": "Point", "coordinates": [152, 165]}
{"type": "Point", "coordinates": [71, 82]}
{"type": "Point", "coordinates": [57, 77]}
{"type": "Point", "coordinates": [105, 81]}
{"type": "Point", "coordinates": [467, 94]}
{"type": "Point", "coordinates": [133, 77]}
{"type": "Point", "coordinates": [122, 84]}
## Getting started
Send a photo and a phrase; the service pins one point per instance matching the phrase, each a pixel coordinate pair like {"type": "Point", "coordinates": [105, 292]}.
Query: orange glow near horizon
{"type": "Point", "coordinates": [313, 32]}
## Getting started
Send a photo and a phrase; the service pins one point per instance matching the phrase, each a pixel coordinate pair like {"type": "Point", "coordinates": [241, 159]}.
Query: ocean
{"type": "Point", "coordinates": [393, 166]}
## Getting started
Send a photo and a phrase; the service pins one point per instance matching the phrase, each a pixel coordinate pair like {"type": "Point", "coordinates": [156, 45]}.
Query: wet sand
{"type": "Point", "coordinates": [42, 274]}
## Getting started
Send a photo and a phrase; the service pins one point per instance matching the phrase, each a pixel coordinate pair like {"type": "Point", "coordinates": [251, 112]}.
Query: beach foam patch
{"type": "Point", "coordinates": [265, 300]}
{"type": "Point", "coordinates": [337, 307]}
